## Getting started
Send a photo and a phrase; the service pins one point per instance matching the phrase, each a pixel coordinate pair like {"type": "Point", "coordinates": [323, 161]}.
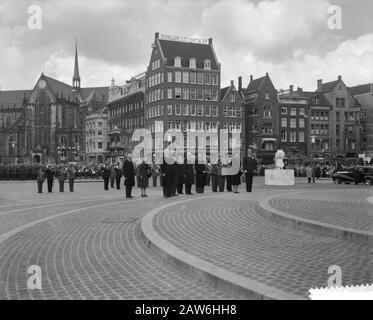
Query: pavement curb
{"type": "Point", "coordinates": [219, 278]}
{"type": "Point", "coordinates": [320, 228]}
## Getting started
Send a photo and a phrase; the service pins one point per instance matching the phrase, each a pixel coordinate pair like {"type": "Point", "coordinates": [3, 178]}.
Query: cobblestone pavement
{"type": "Point", "coordinates": [94, 253]}
{"type": "Point", "coordinates": [345, 209]}
{"type": "Point", "coordinates": [88, 244]}
{"type": "Point", "coordinates": [229, 231]}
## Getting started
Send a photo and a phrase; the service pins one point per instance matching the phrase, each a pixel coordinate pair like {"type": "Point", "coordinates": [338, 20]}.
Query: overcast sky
{"type": "Point", "coordinates": [289, 39]}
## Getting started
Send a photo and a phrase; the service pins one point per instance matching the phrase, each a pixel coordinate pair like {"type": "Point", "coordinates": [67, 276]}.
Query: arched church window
{"type": "Point", "coordinates": [8, 122]}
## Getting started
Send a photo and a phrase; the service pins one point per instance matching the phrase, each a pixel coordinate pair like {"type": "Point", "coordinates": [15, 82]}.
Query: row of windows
{"type": "Point", "coordinates": [293, 122]}
{"type": "Point", "coordinates": [184, 94]}
{"type": "Point", "coordinates": [91, 133]}
{"type": "Point", "coordinates": [156, 64]}
{"type": "Point", "coordinates": [322, 129]}
{"type": "Point", "coordinates": [193, 126]}
{"type": "Point", "coordinates": [291, 136]}
{"type": "Point", "coordinates": [267, 112]}
{"type": "Point", "coordinates": [194, 110]}
{"type": "Point", "coordinates": [127, 124]}
{"type": "Point", "coordinates": [92, 125]}
{"type": "Point", "coordinates": [155, 79]}
{"type": "Point", "coordinates": [92, 145]}
{"type": "Point", "coordinates": [320, 115]}
{"type": "Point", "coordinates": [192, 63]}
{"type": "Point", "coordinates": [293, 111]}
{"type": "Point", "coordinates": [118, 110]}
{"type": "Point", "coordinates": [192, 78]}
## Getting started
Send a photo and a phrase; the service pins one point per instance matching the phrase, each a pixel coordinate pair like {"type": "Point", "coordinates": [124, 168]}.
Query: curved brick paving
{"type": "Point", "coordinates": [341, 208]}
{"type": "Point", "coordinates": [235, 236]}
{"type": "Point", "coordinates": [97, 254]}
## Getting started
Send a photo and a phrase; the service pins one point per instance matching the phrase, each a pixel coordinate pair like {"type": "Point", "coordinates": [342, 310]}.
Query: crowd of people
{"type": "Point", "coordinates": [30, 171]}
{"type": "Point", "coordinates": [176, 176]}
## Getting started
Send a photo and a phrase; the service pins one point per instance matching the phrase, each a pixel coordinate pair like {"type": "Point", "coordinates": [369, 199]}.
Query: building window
{"type": "Point", "coordinates": [340, 102]}
{"type": "Point", "coordinates": [208, 95]}
{"type": "Point", "coordinates": [214, 78]}
{"type": "Point", "coordinates": [177, 62]}
{"type": "Point", "coordinates": [177, 76]}
{"type": "Point", "coordinates": [192, 94]}
{"type": "Point", "coordinates": [301, 136]}
{"type": "Point", "coordinates": [185, 93]}
{"type": "Point", "coordinates": [207, 64]}
{"type": "Point", "coordinates": [99, 145]}
{"type": "Point", "coordinates": [200, 78]}
{"type": "Point", "coordinates": [232, 112]}
{"type": "Point", "coordinates": [284, 110]}
{"type": "Point", "coordinates": [185, 77]}
{"type": "Point", "coordinates": [283, 135]}
{"type": "Point", "coordinates": [200, 111]}
{"type": "Point", "coordinates": [284, 122]}
{"type": "Point", "coordinates": [293, 111]}
{"type": "Point", "coordinates": [233, 97]}
{"type": "Point", "coordinates": [207, 78]}
{"type": "Point", "coordinates": [169, 109]}
{"type": "Point", "coordinates": [207, 111]}
{"type": "Point", "coordinates": [185, 109]}
{"type": "Point", "coordinates": [199, 94]}
{"type": "Point", "coordinates": [178, 109]}
{"type": "Point", "coordinates": [214, 95]}
{"type": "Point", "coordinates": [192, 110]}
{"type": "Point", "coordinates": [169, 125]}
{"type": "Point", "coordinates": [301, 111]}
{"type": "Point", "coordinates": [267, 113]}
{"type": "Point", "coordinates": [192, 77]}
{"type": "Point", "coordinates": [301, 123]}
{"type": "Point", "coordinates": [293, 123]}
{"type": "Point", "coordinates": [214, 111]}
{"type": "Point", "coordinates": [99, 132]}
{"type": "Point", "coordinates": [192, 63]}
{"type": "Point", "coordinates": [293, 136]}
{"type": "Point", "coordinates": [169, 76]}
{"type": "Point", "coordinates": [169, 93]}
{"type": "Point", "coordinates": [177, 93]}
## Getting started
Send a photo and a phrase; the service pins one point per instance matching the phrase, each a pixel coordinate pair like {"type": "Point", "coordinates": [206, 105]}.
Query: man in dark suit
{"type": "Point", "coordinates": [118, 175]}
{"type": "Point", "coordinates": [249, 165]}
{"type": "Point", "coordinates": [129, 175]}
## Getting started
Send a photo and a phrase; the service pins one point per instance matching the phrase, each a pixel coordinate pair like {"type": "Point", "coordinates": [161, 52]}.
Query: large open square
{"type": "Point", "coordinates": [276, 242]}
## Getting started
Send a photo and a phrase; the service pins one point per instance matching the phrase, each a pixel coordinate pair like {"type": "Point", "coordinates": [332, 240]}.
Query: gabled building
{"type": "Point", "coordinates": [231, 104]}
{"type": "Point", "coordinates": [319, 135]}
{"type": "Point", "coordinates": [293, 123]}
{"type": "Point", "coordinates": [182, 86]}
{"type": "Point", "coordinates": [261, 110]}
{"type": "Point", "coordinates": [47, 123]}
{"type": "Point", "coordinates": [125, 114]}
{"type": "Point", "coordinates": [364, 94]}
{"type": "Point", "coordinates": [345, 125]}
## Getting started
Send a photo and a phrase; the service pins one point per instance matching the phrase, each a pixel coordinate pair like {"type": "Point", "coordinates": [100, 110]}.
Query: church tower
{"type": "Point", "coordinates": [76, 77]}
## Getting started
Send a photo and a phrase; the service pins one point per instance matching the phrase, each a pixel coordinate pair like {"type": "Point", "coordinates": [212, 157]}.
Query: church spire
{"type": "Point", "coordinates": [76, 77]}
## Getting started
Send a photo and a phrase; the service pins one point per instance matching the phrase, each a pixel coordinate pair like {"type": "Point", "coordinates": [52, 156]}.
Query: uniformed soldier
{"type": "Point", "coordinates": [49, 172]}
{"type": "Point", "coordinates": [40, 179]}
{"type": "Point", "coordinates": [71, 176]}
{"type": "Point", "coordinates": [61, 175]}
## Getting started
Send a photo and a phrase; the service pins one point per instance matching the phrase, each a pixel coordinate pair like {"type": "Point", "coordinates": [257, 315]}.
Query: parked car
{"type": "Point", "coordinates": [348, 176]}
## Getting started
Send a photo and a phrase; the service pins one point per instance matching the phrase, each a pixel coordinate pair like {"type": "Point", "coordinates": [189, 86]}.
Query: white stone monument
{"type": "Point", "coordinates": [279, 176]}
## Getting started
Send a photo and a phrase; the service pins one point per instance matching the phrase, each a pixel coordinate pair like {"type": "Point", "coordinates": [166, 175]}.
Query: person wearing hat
{"type": "Point", "coordinates": [40, 179]}
{"type": "Point", "coordinates": [61, 175]}
{"type": "Point", "coordinates": [129, 175]}
{"type": "Point", "coordinates": [49, 172]}
{"type": "Point", "coordinates": [71, 176]}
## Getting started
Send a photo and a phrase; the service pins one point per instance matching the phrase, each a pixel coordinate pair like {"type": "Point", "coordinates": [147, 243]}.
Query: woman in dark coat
{"type": "Point", "coordinates": [189, 174]}
{"type": "Point", "coordinates": [143, 173]}
{"type": "Point", "coordinates": [201, 174]}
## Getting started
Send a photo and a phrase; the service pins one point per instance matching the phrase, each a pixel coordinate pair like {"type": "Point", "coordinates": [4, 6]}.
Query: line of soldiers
{"type": "Point", "coordinates": [60, 172]}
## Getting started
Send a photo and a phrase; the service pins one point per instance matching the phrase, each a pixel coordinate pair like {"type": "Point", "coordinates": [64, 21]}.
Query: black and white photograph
{"type": "Point", "coordinates": [207, 152]}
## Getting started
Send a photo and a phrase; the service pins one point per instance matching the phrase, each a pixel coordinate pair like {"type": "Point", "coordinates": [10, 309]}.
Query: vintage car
{"type": "Point", "coordinates": [348, 176]}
